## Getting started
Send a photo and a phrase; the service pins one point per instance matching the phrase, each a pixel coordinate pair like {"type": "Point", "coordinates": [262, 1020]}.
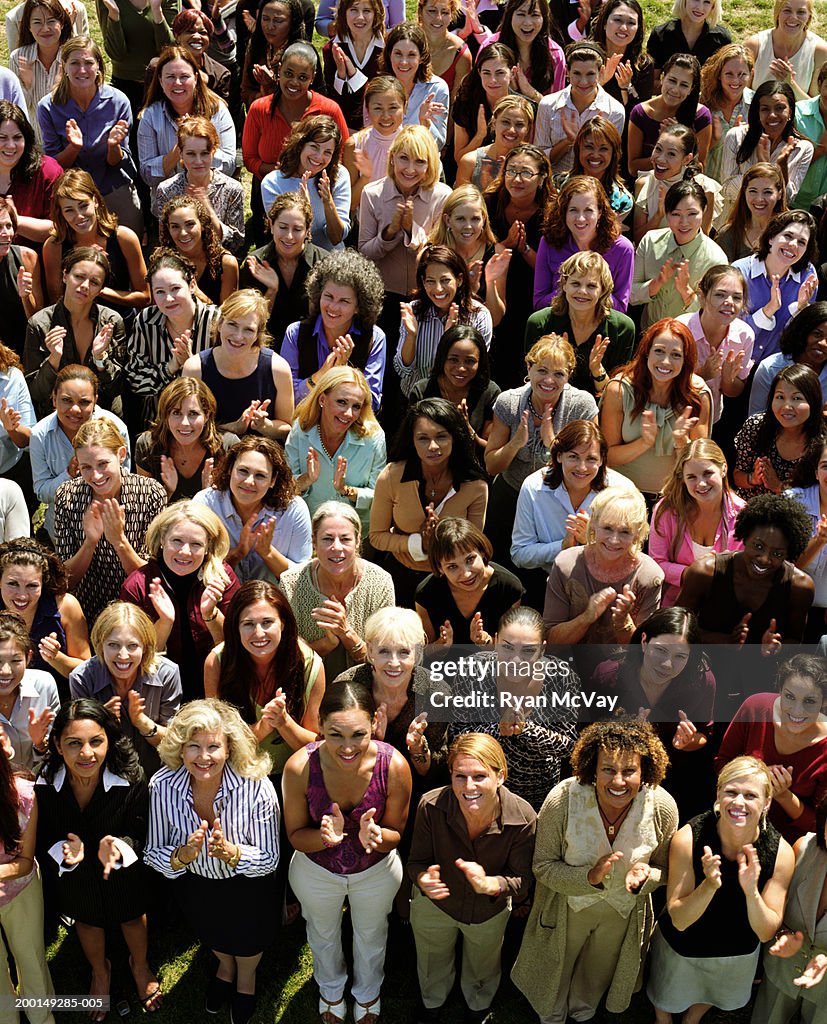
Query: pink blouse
{"type": "Point", "coordinates": [11, 887]}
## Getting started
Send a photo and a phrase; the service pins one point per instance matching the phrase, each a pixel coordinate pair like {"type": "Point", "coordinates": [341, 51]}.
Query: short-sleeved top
{"type": "Point", "coordinates": [746, 448]}
{"type": "Point", "coordinates": [503, 591]}
{"type": "Point", "coordinates": [650, 128]}
{"type": "Point", "coordinates": [234, 395]}
{"type": "Point", "coordinates": [668, 39]}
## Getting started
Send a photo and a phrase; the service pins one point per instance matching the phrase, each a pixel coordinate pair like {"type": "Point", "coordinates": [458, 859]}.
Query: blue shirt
{"type": "Point", "coordinates": [768, 329]}
{"type": "Point", "coordinates": [374, 370]}
{"type": "Point", "coordinates": [158, 134]}
{"type": "Point", "coordinates": [764, 376]}
{"type": "Point", "coordinates": [437, 88]}
{"type": "Point", "coordinates": [276, 183]}
{"type": "Point", "coordinates": [10, 87]}
{"type": "Point", "coordinates": [107, 107]}
{"type": "Point", "coordinates": [13, 389]}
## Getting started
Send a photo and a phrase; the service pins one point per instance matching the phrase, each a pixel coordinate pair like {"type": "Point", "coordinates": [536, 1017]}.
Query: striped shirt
{"type": "Point", "coordinates": [43, 81]}
{"type": "Point", "coordinates": [150, 346]}
{"type": "Point", "coordinates": [431, 327]}
{"type": "Point", "coordinates": [249, 816]}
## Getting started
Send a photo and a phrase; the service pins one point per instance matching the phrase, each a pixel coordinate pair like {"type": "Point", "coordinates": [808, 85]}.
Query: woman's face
{"type": "Point", "coordinates": [184, 547]}
{"type": "Point", "coordinates": [45, 27]}
{"type": "Point", "coordinates": [800, 703]}
{"type": "Point", "coordinates": [295, 77]}
{"type": "Point", "coordinates": [735, 77]}
{"type": "Point", "coordinates": [290, 232]}
{"type": "Point", "coordinates": [12, 145]}
{"type": "Point", "coordinates": [465, 222]}
{"type": "Point", "coordinates": [316, 156]}
{"type": "Point", "coordinates": [196, 155]}
{"type": "Point", "coordinates": [582, 291]}
{"type": "Point", "coordinates": [7, 232]}
{"type": "Point", "coordinates": [172, 293]}
{"type": "Point", "coordinates": [580, 465]}
{"type": "Point", "coordinates": [665, 359]}
{"type": "Point", "coordinates": [665, 656]}
{"type": "Point", "coordinates": [794, 16]}
{"type": "Point", "coordinates": [511, 128]}
{"type": "Point", "coordinates": [100, 468]}
{"type": "Point", "coordinates": [475, 785]}
{"type": "Point", "coordinates": [81, 214]}
{"type": "Point", "coordinates": [526, 21]}
{"type": "Point", "coordinates": [83, 745]}
{"type": "Point", "coordinates": [408, 171]}
{"type": "Point", "coordinates": [613, 538]}
{"type": "Point", "coordinates": [582, 216]}
{"type": "Point", "coordinates": [359, 19]}
{"type": "Point", "coordinates": [196, 39]}
{"type": "Point", "coordinates": [393, 662]}
{"type": "Point", "coordinates": [621, 26]}
{"type": "Point", "coordinates": [441, 285]}
{"type": "Point", "coordinates": [774, 113]}
{"type": "Point", "coordinates": [185, 230]}
{"type": "Point", "coordinates": [725, 300]}
{"type": "Point", "coordinates": [260, 629]}
{"type": "Point", "coordinates": [704, 481]}
{"type": "Point", "coordinates": [338, 307]}
{"type": "Point", "coordinates": [765, 551]}
{"type": "Point", "coordinates": [178, 83]}
{"type": "Point", "coordinates": [239, 333]}
{"type": "Point", "coordinates": [341, 408]}
{"type": "Point", "coordinates": [337, 546]}
{"type": "Point", "coordinates": [821, 471]}
{"type": "Point", "coordinates": [668, 157]}
{"type": "Point", "coordinates": [518, 643]}
{"type": "Point", "coordinates": [405, 59]}
{"type": "Point", "coordinates": [347, 737]}
{"type": "Point", "coordinates": [122, 654]}
{"type": "Point", "coordinates": [275, 23]}
{"type": "Point", "coordinates": [251, 478]}
{"type": "Point", "coordinates": [386, 111]}
{"type": "Point", "coordinates": [74, 403]}
{"type": "Point", "coordinates": [789, 405]}
{"type": "Point", "coordinates": [461, 363]}
{"type": "Point", "coordinates": [697, 11]}
{"type": "Point", "coordinates": [584, 78]}
{"type": "Point", "coordinates": [435, 16]}
{"type": "Point", "coordinates": [433, 443]}
{"type": "Point", "coordinates": [596, 154]}
{"type": "Point", "coordinates": [84, 281]}
{"type": "Point", "coordinates": [547, 378]}
{"type": "Point", "coordinates": [20, 589]}
{"type": "Point", "coordinates": [205, 754]}
{"type": "Point", "coordinates": [790, 244]}
{"type": "Point", "coordinates": [13, 662]}
{"type": "Point", "coordinates": [742, 801]}
{"type": "Point", "coordinates": [815, 351]}
{"type": "Point", "coordinates": [522, 178]}
{"type": "Point", "coordinates": [618, 778]}
{"type": "Point", "coordinates": [495, 75]}
{"type": "Point", "coordinates": [686, 219]}
{"type": "Point", "coordinates": [186, 423]}
{"type": "Point", "coordinates": [81, 70]}
{"type": "Point", "coordinates": [464, 570]}
{"type": "Point", "coordinates": [676, 86]}
{"type": "Point", "coordinates": [762, 195]}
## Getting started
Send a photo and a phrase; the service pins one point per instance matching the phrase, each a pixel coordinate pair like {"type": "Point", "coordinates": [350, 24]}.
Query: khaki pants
{"type": "Point", "coordinates": [22, 921]}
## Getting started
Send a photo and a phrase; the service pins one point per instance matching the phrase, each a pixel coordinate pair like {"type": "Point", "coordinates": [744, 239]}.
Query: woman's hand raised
{"type": "Point", "coordinates": [749, 870]}
{"type": "Point", "coordinates": [431, 884]}
{"type": "Point", "coordinates": [72, 850]}
{"type": "Point", "coordinates": [332, 826]}
{"type": "Point", "coordinates": [109, 855]}
{"type": "Point", "coordinates": [38, 726]}
{"type": "Point", "coordinates": [370, 832]}
{"type": "Point", "coordinates": [602, 868]}
{"type": "Point", "coordinates": [711, 866]}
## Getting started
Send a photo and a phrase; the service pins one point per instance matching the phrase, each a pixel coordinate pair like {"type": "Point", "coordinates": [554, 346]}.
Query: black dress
{"type": "Point", "coordinates": [503, 591]}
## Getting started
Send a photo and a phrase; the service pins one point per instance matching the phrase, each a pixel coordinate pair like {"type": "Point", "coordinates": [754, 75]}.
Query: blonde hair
{"type": "Point", "coordinates": [552, 347]}
{"type": "Point", "coordinates": [394, 623]}
{"type": "Point", "coordinates": [417, 141]}
{"type": "Point", "coordinates": [742, 767]}
{"type": "Point", "coordinates": [628, 509]}
{"type": "Point", "coordinates": [514, 102]}
{"type": "Point", "coordinates": [215, 716]}
{"type": "Point", "coordinates": [60, 93]}
{"type": "Point", "coordinates": [309, 412]}
{"type": "Point", "coordinates": [243, 303]}
{"type": "Point", "coordinates": [122, 613]}
{"type": "Point", "coordinates": [712, 19]}
{"type": "Point", "coordinates": [778, 6]}
{"type": "Point", "coordinates": [578, 265]}
{"type": "Point", "coordinates": [482, 747]}
{"type": "Point", "coordinates": [101, 433]}
{"type": "Point", "coordinates": [441, 233]}
{"type": "Point", "coordinates": [218, 541]}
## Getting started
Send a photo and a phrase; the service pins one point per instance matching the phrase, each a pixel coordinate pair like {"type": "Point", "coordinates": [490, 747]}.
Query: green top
{"type": "Point", "coordinates": [135, 39]}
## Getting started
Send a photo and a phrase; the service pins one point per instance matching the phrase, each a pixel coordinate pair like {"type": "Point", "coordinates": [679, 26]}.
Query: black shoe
{"type": "Point", "coordinates": [429, 1014]}
{"type": "Point", "coordinates": [479, 1016]}
{"type": "Point", "coordinates": [219, 993]}
{"type": "Point", "coordinates": [242, 1007]}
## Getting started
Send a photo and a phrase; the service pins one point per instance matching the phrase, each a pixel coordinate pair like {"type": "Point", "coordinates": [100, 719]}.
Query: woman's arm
{"type": "Point", "coordinates": [502, 447]}
{"type": "Point", "coordinates": [52, 257]}
{"type": "Point", "coordinates": [427, 625]}
{"type": "Point", "coordinates": [229, 275]}
{"type": "Point", "coordinates": [23, 863]}
{"type": "Point", "coordinates": [77, 636]}
{"type": "Point", "coordinates": [137, 295]}
{"type": "Point", "coordinates": [335, 199]}
{"type": "Point", "coordinates": [397, 803]}
{"type": "Point", "coordinates": [303, 834]}
{"type": "Point", "coordinates": [33, 301]}
{"type": "Point", "coordinates": [635, 159]}
{"type": "Point", "coordinates": [612, 417]}
{"type": "Point", "coordinates": [704, 137]}
{"type": "Point", "coordinates": [765, 909]}
{"type": "Point", "coordinates": [686, 901]}
{"type": "Point", "coordinates": [295, 734]}
{"type": "Point", "coordinates": [696, 584]}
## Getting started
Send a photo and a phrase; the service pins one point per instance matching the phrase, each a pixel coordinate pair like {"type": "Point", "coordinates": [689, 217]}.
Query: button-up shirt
{"type": "Point", "coordinates": [733, 170]}
{"type": "Point", "coordinates": [226, 196]}
{"type": "Point", "coordinates": [276, 183]}
{"type": "Point", "coordinates": [768, 328]}
{"type": "Point", "coordinates": [620, 256]}
{"type": "Point", "coordinates": [13, 389]}
{"type": "Point", "coordinates": [548, 129]}
{"type": "Point", "coordinates": [739, 338]}
{"type": "Point", "coordinates": [431, 328]}
{"type": "Point", "coordinates": [158, 134]}
{"type": "Point", "coordinates": [37, 692]}
{"type": "Point", "coordinates": [43, 80]}
{"type": "Point", "coordinates": [436, 87]}
{"type": "Point", "coordinates": [668, 38]}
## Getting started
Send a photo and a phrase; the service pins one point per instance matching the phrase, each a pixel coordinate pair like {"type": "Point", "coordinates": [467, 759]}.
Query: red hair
{"type": "Point", "coordinates": [683, 391]}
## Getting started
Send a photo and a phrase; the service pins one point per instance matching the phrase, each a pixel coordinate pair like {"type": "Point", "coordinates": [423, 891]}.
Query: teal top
{"type": "Point", "coordinates": [810, 122]}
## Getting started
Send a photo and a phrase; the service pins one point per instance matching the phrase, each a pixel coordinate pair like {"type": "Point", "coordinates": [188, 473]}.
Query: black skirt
{"type": "Point", "coordinates": [236, 916]}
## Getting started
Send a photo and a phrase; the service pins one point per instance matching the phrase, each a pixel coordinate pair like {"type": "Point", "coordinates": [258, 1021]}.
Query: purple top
{"type": "Point", "coordinates": [621, 259]}
{"type": "Point", "coordinates": [650, 128]}
{"type": "Point", "coordinates": [349, 857]}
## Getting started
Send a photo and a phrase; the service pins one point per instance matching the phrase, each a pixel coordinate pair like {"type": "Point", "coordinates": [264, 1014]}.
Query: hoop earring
{"type": "Point", "coordinates": [716, 809]}
{"type": "Point", "coordinates": [526, 379]}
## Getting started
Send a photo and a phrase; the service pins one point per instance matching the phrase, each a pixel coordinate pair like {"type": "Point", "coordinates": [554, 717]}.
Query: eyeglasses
{"type": "Point", "coordinates": [518, 174]}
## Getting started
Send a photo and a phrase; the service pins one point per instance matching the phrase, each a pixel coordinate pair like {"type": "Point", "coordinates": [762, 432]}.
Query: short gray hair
{"type": "Point", "coordinates": [337, 508]}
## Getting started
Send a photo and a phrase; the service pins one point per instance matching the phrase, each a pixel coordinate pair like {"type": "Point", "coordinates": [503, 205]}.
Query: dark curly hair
{"type": "Point", "coordinates": [24, 551]}
{"type": "Point", "coordinates": [808, 665]}
{"type": "Point", "coordinates": [627, 736]}
{"type": "Point", "coordinates": [463, 459]}
{"type": "Point", "coordinates": [556, 232]}
{"type": "Point", "coordinates": [210, 238]}
{"type": "Point", "coordinates": [282, 490]}
{"type": "Point", "coordinates": [121, 758]}
{"type": "Point", "coordinates": [784, 514]}
{"type": "Point", "coordinates": [319, 128]}
{"type": "Point", "coordinates": [793, 340]}
{"type": "Point", "coordinates": [450, 258]}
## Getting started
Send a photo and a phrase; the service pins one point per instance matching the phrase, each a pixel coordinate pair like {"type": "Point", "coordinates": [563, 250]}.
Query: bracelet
{"type": "Point", "coordinates": [175, 860]}
{"type": "Point", "coordinates": [236, 857]}
{"type": "Point", "coordinates": [152, 731]}
{"type": "Point", "coordinates": [600, 377]}
{"type": "Point", "coordinates": [213, 617]}
{"type": "Point", "coordinates": [358, 647]}
{"type": "Point", "coordinates": [328, 845]}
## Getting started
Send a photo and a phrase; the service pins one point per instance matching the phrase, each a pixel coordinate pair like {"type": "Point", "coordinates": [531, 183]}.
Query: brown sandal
{"type": "Point", "coordinates": [369, 1016]}
{"type": "Point", "coordinates": [326, 1014]}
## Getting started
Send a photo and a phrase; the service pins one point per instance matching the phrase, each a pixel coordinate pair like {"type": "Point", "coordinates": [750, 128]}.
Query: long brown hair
{"type": "Point", "coordinates": [739, 215]}
{"type": "Point", "coordinates": [683, 391]}
{"type": "Point", "coordinates": [172, 398]}
{"type": "Point", "coordinates": [210, 239]}
{"type": "Point", "coordinates": [78, 185]}
{"type": "Point", "coordinates": [608, 227]}
{"type": "Point", "coordinates": [204, 100]}
{"type": "Point", "coordinates": [319, 128]}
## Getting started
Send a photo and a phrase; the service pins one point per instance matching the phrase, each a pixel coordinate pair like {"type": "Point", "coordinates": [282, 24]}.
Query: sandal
{"type": "Point", "coordinates": [368, 1016]}
{"type": "Point", "coordinates": [326, 1014]}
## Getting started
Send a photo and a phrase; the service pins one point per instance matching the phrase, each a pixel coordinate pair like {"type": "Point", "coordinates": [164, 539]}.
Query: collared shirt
{"type": "Point", "coordinates": [620, 257]}
{"type": "Point", "coordinates": [431, 327]}
{"type": "Point", "coordinates": [150, 346]}
{"type": "Point", "coordinates": [158, 134]}
{"type": "Point", "coordinates": [51, 451]}
{"type": "Point", "coordinates": [226, 196]}
{"type": "Point", "coordinates": [733, 170]}
{"type": "Point", "coordinates": [291, 537]}
{"type": "Point", "coordinates": [291, 303]}
{"type": "Point", "coordinates": [37, 692]}
{"type": "Point", "coordinates": [13, 389]}
{"type": "Point", "coordinates": [276, 183]}
{"type": "Point", "coordinates": [810, 122]}
{"type": "Point", "coordinates": [366, 458]}
{"type": "Point", "coordinates": [360, 79]}
{"type": "Point", "coordinates": [43, 80]}
{"type": "Point", "coordinates": [266, 129]}
{"type": "Point", "coordinates": [78, 17]}
{"type": "Point", "coordinates": [548, 129]}
{"type": "Point", "coordinates": [374, 370]}
{"type": "Point", "coordinates": [437, 88]}
{"type": "Point", "coordinates": [108, 106]}
{"type": "Point", "coordinates": [249, 815]}
{"type": "Point", "coordinates": [768, 329]}
{"type": "Point", "coordinates": [668, 38]}
{"type": "Point", "coordinates": [739, 338]}
{"type": "Point", "coordinates": [810, 498]}
{"type": "Point", "coordinates": [394, 14]}
{"type": "Point", "coordinates": [11, 89]}
{"type": "Point", "coordinates": [440, 836]}
{"type": "Point", "coordinates": [764, 376]}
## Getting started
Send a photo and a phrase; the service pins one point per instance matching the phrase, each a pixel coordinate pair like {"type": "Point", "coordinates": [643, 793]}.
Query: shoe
{"type": "Point", "coordinates": [479, 1016]}
{"type": "Point", "coordinates": [219, 993]}
{"type": "Point", "coordinates": [367, 1013]}
{"type": "Point", "coordinates": [242, 1007]}
{"type": "Point", "coordinates": [429, 1014]}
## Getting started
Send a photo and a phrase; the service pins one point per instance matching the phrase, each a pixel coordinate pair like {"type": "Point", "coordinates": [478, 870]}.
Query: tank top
{"type": "Point", "coordinates": [450, 73]}
{"type": "Point", "coordinates": [234, 395]}
{"type": "Point", "coordinates": [14, 315]}
{"type": "Point", "coordinates": [722, 611]}
{"type": "Point", "coordinates": [211, 286]}
{"type": "Point", "coordinates": [802, 60]}
{"type": "Point", "coordinates": [47, 620]}
{"type": "Point", "coordinates": [349, 857]}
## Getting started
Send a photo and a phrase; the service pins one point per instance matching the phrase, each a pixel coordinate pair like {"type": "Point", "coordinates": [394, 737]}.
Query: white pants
{"type": "Point", "coordinates": [22, 921]}
{"type": "Point", "coordinates": [370, 896]}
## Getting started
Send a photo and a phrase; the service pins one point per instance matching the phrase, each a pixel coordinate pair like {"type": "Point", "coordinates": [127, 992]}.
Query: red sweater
{"type": "Point", "coordinates": [264, 132]}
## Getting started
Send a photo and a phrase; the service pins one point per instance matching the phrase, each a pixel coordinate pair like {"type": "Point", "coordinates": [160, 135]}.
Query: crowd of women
{"type": "Point", "coordinates": [516, 351]}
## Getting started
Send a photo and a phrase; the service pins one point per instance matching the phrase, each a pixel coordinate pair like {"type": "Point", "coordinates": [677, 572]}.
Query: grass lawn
{"type": "Point", "coordinates": [287, 991]}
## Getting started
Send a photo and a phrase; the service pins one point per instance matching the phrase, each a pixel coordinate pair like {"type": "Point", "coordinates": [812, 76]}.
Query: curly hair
{"type": "Point", "coordinates": [118, 614]}
{"type": "Point", "coordinates": [319, 128]}
{"type": "Point", "coordinates": [309, 412]}
{"type": "Point", "coordinates": [623, 736]}
{"type": "Point", "coordinates": [78, 185]}
{"type": "Point", "coordinates": [603, 130]}
{"type": "Point", "coordinates": [446, 257]}
{"type": "Point", "coordinates": [282, 490]}
{"type": "Point", "coordinates": [784, 514]}
{"type": "Point", "coordinates": [683, 391]}
{"type": "Point", "coordinates": [168, 258]}
{"type": "Point", "coordinates": [462, 461]}
{"type": "Point", "coordinates": [215, 716]}
{"type": "Point", "coordinates": [349, 269]}
{"type": "Point", "coordinates": [9, 359]}
{"type": "Point", "coordinates": [574, 435]}
{"type": "Point", "coordinates": [291, 201]}
{"type": "Point", "coordinates": [579, 265]}
{"type": "Point", "coordinates": [555, 229]}
{"type": "Point", "coordinates": [204, 101]}
{"type": "Point", "coordinates": [25, 552]}
{"type": "Point", "coordinates": [712, 93]}
{"type": "Point", "coordinates": [740, 215]}
{"type": "Point", "coordinates": [172, 398]}
{"type": "Point", "coordinates": [808, 665]}
{"type": "Point", "coordinates": [545, 189]}
{"type": "Point", "coordinates": [29, 163]}
{"type": "Point", "coordinates": [410, 32]}
{"type": "Point", "coordinates": [121, 758]}
{"type": "Point", "coordinates": [541, 62]}
{"type": "Point", "coordinates": [210, 238]}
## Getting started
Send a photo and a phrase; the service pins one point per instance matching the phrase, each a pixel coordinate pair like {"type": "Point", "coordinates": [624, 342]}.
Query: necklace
{"type": "Point", "coordinates": [326, 450]}
{"type": "Point", "coordinates": [612, 826]}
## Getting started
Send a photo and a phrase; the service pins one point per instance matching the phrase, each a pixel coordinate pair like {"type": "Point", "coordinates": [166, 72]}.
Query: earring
{"type": "Point", "coordinates": [716, 809]}
{"type": "Point", "coordinates": [526, 379]}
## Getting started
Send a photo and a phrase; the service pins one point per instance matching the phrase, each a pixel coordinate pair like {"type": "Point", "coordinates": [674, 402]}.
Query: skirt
{"type": "Point", "coordinates": [236, 916]}
{"type": "Point", "coordinates": [677, 982]}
